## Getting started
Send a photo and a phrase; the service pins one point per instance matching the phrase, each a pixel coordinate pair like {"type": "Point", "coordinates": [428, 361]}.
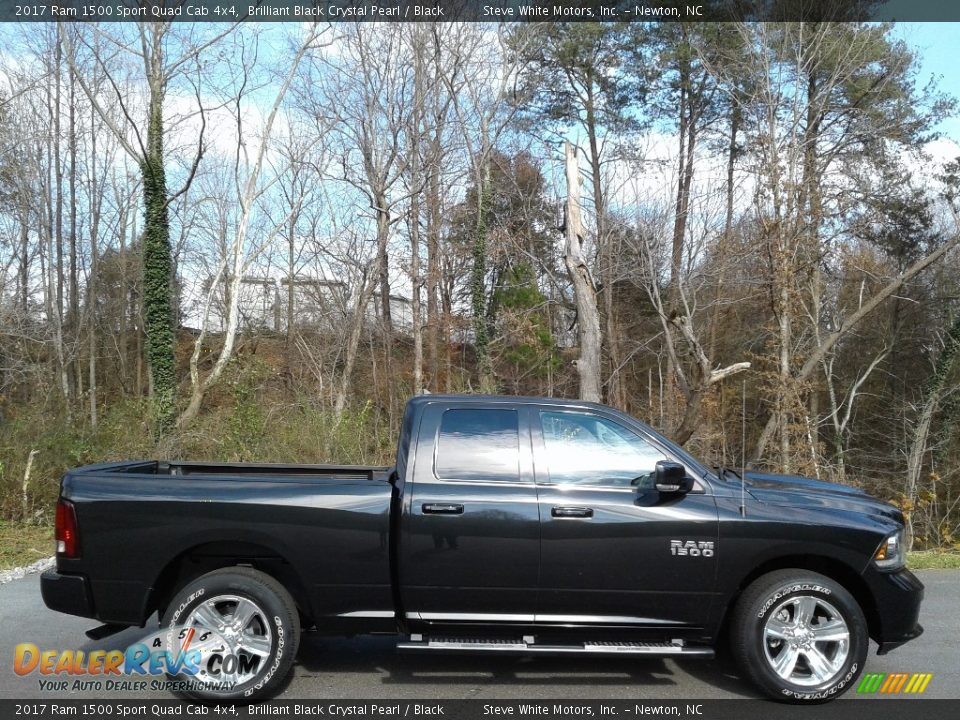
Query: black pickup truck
{"type": "Point", "coordinates": [508, 524]}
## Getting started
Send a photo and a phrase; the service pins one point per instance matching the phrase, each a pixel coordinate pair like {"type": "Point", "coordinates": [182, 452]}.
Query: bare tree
{"type": "Point", "coordinates": [695, 371]}
{"type": "Point", "coordinates": [584, 290]}
{"type": "Point", "coordinates": [809, 86]}
{"type": "Point", "coordinates": [364, 98]}
{"type": "Point", "coordinates": [842, 412]}
{"type": "Point", "coordinates": [415, 137]}
{"type": "Point", "coordinates": [932, 397]}
{"type": "Point", "coordinates": [240, 255]}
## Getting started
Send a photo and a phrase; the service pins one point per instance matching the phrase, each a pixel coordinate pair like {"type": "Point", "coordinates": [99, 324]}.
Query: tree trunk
{"type": "Point", "coordinates": [588, 318]}
{"type": "Point", "coordinates": [124, 309]}
{"type": "Point", "coordinates": [24, 219]}
{"type": "Point", "coordinates": [784, 338]}
{"type": "Point", "coordinates": [615, 393]}
{"type": "Point", "coordinates": [688, 137]}
{"type": "Point", "coordinates": [478, 283]}
{"type": "Point", "coordinates": [811, 188]}
{"type": "Point", "coordinates": [433, 275]}
{"type": "Point", "coordinates": [447, 304]}
{"type": "Point", "coordinates": [95, 207]}
{"type": "Point", "coordinates": [383, 262]}
{"type": "Point", "coordinates": [414, 148]}
{"type": "Point", "coordinates": [383, 239]}
{"type": "Point", "coordinates": [53, 236]}
{"type": "Point", "coordinates": [73, 318]}
{"type": "Point", "coordinates": [157, 260]}
{"type": "Point", "coordinates": [415, 309]}
{"type": "Point", "coordinates": [364, 293]}
{"type": "Point", "coordinates": [434, 218]}
{"type": "Point", "coordinates": [291, 287]}
{"type": "Point", "coordinates": [727, 224]}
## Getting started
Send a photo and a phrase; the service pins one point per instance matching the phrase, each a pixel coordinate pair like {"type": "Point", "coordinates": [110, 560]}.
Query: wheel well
{"type": "Point", "coordinates": [833, 569]}
{"type": "Point", "coordinates": [201, 559]}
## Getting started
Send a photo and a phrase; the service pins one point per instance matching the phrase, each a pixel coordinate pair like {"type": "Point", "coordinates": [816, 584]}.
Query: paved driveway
{"type": "Point", "coordinates": [369, 668]}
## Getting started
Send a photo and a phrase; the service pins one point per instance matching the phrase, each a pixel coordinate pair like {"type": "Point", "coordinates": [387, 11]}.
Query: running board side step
{"type": "Point", "coordinates": [103, 631]}
{"type": "Point", "coordinates": [528, 646]}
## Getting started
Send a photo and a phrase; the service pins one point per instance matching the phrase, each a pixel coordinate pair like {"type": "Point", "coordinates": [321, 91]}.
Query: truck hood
{"type": "Point", "coordinates": [797, 491]}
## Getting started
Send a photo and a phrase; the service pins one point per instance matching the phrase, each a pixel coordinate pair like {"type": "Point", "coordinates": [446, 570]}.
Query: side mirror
{"type": "Point", "coordinates": [671, 477]}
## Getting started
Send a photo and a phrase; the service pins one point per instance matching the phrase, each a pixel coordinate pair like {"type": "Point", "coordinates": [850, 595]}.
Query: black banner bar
{"type": "Point", "coordinates": [478, 10]}
{"type": "Point", "coordinates": [858, 708]}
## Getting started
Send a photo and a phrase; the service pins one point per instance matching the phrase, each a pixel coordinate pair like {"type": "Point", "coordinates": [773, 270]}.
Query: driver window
{"type": "Point", "coordinates": [589, 450]}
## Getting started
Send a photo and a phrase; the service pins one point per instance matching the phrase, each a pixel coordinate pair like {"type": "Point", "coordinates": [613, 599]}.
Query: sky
{"type": "Point", "coordinates": [936, 45]}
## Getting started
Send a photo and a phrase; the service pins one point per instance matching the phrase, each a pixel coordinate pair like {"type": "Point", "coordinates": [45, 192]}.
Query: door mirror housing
{"type": "Point", "coordinates": [671, 477]}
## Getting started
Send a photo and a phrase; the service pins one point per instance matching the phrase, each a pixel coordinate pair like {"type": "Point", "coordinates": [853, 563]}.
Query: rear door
{"type": "Point", "coordinates": [470, 547]}
{"type": "Point", "coordinates": [609, 553]}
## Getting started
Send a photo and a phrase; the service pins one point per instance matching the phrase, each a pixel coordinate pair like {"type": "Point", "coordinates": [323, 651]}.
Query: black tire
{"type": "Point", "coordinates": [274, 623]}
{"type": "Point", "coordinates": [776, 624]}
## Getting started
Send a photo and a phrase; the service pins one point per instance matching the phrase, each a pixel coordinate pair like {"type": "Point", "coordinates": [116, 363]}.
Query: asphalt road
{"type": "Point", "coordinates": [370, 668]}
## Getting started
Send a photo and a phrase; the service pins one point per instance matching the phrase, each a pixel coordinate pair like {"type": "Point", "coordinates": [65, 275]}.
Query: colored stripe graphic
{"type": "Point", "coordinates": [870, 682]}
{"type": "Point", "coordinates": [898, 685]}
{"type": "Point", "coordinates": [889, 682]}
{"type": "Point", "coordinates": [894, 683]}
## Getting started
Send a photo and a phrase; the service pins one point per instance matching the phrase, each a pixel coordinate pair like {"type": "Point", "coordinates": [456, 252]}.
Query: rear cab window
{"type": "Point", "coordinates": [478, 444]}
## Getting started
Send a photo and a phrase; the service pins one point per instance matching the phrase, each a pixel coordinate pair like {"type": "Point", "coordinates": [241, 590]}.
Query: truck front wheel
{"type": "Point", "coordinates": [231, 634]}
{"type": "Point", "coordinates": [800, 636]}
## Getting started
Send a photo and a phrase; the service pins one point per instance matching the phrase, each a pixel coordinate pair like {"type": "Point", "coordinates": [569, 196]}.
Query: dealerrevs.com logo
{"type": "Point", "coordinates": [894, 683]}
{"type": "Point", "coordinates": [197, 658]}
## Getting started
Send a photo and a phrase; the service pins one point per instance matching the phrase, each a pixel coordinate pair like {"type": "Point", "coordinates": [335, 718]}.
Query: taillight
{"type": "Point", "coordinates": [68, 544]}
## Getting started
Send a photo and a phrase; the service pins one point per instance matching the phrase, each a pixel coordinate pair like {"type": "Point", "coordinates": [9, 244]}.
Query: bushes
{"type": "Point", "coordinates": [60, 444]}
{"type": "Point", "coordinates": [251, 418]}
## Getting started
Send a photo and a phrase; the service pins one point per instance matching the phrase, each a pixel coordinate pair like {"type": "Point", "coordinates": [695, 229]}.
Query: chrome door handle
{"type": "Point", "coordinates": [572, 512]}
{"type": "Point", "coordinates": [442, 509]}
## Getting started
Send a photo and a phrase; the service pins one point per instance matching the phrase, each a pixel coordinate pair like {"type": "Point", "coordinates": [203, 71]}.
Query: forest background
{"type": "Point", "coordinates": [255, 242]}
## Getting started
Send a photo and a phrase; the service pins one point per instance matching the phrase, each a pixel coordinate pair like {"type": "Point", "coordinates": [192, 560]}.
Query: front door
{"type": "Point", "coordinates": [609, 551]}
{"type": "Point", "coordinates": [471, 548]}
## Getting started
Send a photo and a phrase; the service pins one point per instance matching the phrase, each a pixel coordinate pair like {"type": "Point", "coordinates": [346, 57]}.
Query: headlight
{"type": "Point", "coordinates": [891, 553]}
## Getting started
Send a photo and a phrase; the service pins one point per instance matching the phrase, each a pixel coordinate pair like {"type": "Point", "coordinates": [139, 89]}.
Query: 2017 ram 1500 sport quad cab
{"type": "Point", "coordinates": [525, 525]}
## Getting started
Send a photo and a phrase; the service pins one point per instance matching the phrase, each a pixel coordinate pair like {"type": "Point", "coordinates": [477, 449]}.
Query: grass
{"type": "Point", "coordinates": [24, 544]}
{"type": "Point", "coordinates": [933, 560]}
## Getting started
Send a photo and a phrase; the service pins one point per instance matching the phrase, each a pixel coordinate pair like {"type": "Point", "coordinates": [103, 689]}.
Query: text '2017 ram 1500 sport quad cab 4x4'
{"type": "Point", "coordinates": [524, 525]}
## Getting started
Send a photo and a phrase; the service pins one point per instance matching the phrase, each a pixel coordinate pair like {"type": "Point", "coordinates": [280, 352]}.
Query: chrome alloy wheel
{"type": "Point", "coordinates": [806, 640]}
{"type": "Point", "coordinates": [236, 629]}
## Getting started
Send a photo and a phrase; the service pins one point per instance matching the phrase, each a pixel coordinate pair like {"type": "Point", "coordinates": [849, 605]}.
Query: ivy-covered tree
{"type": "Point", "coordinates": [157, 259]}
{"type": "Point", "coordinates": [164, 54]}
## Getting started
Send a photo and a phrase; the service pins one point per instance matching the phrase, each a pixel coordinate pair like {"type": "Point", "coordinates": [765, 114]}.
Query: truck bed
{"type": "Point", "coordinates": [238, 471]}
{"type": "Point", "coordinates": [147, 519]}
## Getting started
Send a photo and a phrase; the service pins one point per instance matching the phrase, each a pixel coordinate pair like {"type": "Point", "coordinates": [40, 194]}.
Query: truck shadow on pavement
{"type": "Point", "coordinates": [378, 659]}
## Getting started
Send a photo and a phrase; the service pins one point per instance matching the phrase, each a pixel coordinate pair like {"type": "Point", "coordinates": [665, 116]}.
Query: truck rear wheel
{"type": "Point", "coordinates": [800, 636]}
{"type": "Point", "coordinates": [236, 633]}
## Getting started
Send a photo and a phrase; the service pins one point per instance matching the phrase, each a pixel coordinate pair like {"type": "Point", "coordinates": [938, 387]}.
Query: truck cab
{"type": "Point", "coordinates": [569, 495]}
